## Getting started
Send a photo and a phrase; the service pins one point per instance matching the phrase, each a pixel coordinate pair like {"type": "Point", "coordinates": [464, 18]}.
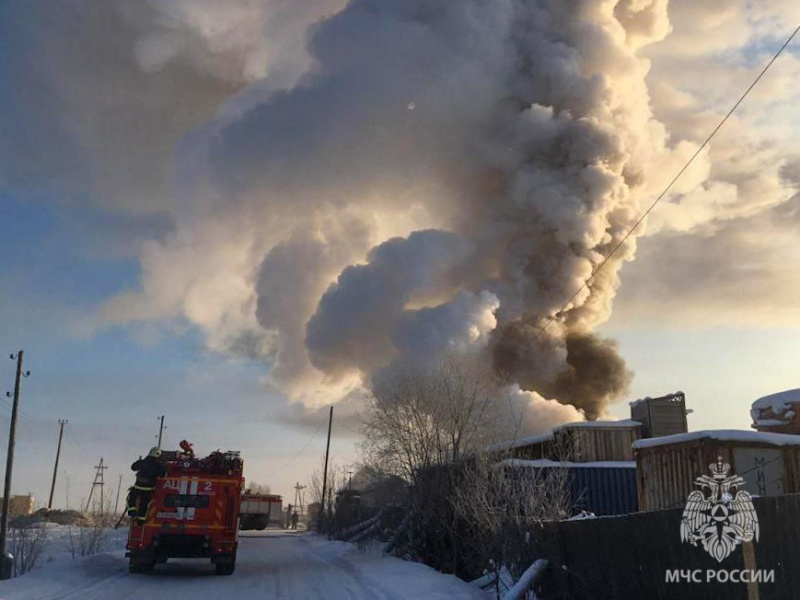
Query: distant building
{"type": "Point", "coordinates": [599, 455]}
{"type": "Point", "coordinates": [777, 413]}
{"type": "Point", "coordinates": [21, 505]}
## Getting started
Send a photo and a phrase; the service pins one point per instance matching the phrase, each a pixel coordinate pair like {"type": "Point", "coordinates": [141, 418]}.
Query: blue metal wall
{"type": "Point", "coordinates": [603, 491]}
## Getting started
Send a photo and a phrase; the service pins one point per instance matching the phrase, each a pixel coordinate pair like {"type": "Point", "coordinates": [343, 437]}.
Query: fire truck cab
{"type": "Point", "coordinates": [193, 513]}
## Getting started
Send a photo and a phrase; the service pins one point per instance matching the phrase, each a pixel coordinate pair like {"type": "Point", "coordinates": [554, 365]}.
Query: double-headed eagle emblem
{"type": "Point", "coordinates": [719, 515]}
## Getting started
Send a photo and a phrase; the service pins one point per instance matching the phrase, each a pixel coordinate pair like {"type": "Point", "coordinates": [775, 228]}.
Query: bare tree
{"type": "Point", "coordinates": [422, 422]}
{"type": "Point", "coordinates": [259, 488]}
{"type": "Point", "coordinates": [424, 416]}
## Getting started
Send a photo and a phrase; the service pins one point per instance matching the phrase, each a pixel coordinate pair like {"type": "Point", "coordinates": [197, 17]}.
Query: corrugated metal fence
{"type": "Point", "coordinates": [627, 557]}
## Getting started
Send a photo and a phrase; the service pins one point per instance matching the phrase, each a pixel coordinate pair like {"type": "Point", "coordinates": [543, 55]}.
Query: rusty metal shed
{"type": "Point", "coordinates": [667, 467]}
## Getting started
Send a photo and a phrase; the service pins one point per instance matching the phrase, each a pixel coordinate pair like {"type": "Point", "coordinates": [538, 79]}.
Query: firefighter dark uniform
{"type": "Point", "coordinates": [148, 470]}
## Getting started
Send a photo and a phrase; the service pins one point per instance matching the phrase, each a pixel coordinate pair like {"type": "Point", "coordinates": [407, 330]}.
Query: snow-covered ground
{"type": "Point", "coordinates": [270, 564]}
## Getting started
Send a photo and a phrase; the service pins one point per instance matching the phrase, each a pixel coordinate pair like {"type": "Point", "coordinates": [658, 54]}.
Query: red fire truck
{"type": "Point", "coordinates": [259, 510]}
{"type": "Point", "coordinates": [194, 513]}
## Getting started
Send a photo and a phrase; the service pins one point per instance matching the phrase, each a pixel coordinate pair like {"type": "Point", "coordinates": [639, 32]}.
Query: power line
{"type": "Point", "coordinates": [633, 228]}
{"type": "Point", "coordinates": [24, 416]}
{"type": "Point", "coordinates": [295, 457]}
{"type": "Point", "coordinates": [80, 446]}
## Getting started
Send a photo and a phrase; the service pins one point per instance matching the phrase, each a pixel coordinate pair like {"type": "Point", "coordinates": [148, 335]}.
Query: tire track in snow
{"type": "Point", "coordinates": [363, 582]}
{"type": "Point", "coordinates": [81, 591]}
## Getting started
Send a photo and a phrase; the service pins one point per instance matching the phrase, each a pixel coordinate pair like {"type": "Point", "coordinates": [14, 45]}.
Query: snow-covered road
{"type": "Point", "coordinates": [275, 565]}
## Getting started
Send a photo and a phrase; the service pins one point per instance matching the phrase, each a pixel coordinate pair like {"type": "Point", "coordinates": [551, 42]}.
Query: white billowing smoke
{"type": "Point", "coordinates": [443, 179]}
{"type": "Point", "coordinates": [99, 92]}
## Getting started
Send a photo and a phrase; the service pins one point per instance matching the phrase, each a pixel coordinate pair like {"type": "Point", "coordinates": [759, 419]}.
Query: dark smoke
{"type": "Point", "coordinates": [595, 376]}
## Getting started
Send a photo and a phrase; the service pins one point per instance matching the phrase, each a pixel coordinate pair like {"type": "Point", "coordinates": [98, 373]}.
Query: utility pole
{"type": "Point", "coordinates": [58, 455]}
{"type": "Point", "coordinates": [116, 503]}
{"type": "Point", "coordinates": [350, 480]}
{"type": "Point", "coordinates": [160, 430]}
{"type": "Point", "coordinates": [325, 472]}
{"type": "Point", "coordinates": [98, 482]}
{"type": "Point", "coordinates": [5, 571]}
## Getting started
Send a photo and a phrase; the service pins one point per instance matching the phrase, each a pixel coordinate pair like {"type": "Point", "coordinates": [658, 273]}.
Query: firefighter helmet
{"type": "Point", "coordinates": [155, 452]}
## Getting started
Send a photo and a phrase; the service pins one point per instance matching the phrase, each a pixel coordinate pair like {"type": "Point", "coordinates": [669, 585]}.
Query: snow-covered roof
{"type": "Point", "coordinates": [546, 437]}
{"type": "Point", "coordinates": [542, 463]}
{"type": "Point", "coordinates": [779, 402]}
{"type": "Point", "coordinates": [721, 435]}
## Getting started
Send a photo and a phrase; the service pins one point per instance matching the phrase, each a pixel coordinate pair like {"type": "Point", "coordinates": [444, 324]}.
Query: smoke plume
{"type": "Point", "coordinates": [543, 158]}
{"type": "Point", "coordinates": [442, 179]}
{"type": "Point", "coordinates": [336, 187]}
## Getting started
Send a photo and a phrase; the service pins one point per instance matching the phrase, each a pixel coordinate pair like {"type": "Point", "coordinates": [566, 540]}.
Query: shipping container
{"type": "Point", "coordinates": [667, 467]}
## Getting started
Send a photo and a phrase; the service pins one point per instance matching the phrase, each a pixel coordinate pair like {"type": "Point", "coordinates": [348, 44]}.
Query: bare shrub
{"type": "Point", "coordinates": [502, 503]}
{"type": "Point", "coordinates": [29, 538]}
{"type": "Point", "coordinates": [88, 539]}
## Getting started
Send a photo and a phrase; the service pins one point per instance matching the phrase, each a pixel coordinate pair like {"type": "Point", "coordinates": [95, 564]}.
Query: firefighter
{"type": "Point", "coordinates": [295, 518]}
{"type": "Point", "coordinates": [148, 470]}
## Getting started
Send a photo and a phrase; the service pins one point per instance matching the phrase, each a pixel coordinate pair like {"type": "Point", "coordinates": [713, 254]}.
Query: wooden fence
{"type": "Point", "coordinates": [628, 558]}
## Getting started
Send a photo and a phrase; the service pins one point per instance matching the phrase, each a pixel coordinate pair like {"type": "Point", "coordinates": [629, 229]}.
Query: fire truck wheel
{"type": "Point", "coordinates": [225, 568]}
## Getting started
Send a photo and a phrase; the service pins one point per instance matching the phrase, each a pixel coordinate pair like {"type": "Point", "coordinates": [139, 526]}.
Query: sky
{"type": "Point", "coordinates": [236, 214]}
